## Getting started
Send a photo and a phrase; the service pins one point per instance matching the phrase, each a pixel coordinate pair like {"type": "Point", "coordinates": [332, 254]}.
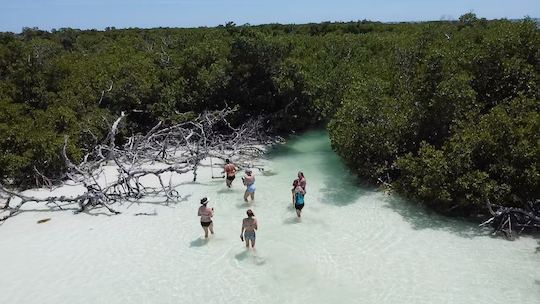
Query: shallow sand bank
{"type": "Point", "coordinates": [353, 245]}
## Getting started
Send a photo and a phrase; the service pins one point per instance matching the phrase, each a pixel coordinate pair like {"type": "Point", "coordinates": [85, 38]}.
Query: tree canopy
{"type": "Point", "coordinates": [447, 111]}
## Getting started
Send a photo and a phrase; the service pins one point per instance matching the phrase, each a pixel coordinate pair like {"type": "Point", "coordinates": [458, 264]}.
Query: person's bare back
{"type": "Point", "coordinates": [230, 169]}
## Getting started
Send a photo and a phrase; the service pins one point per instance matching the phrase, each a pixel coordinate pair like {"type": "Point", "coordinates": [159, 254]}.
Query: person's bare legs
{"type": "Point", "coordinates": [246, 194]}
{"type": "Point", "coordinates": [211, 227]}
{"type": "Point", "coordinates": [252, 194]}
{"type": "Point", "coordinates": [228, 182]}
{"type": "Point", "coordinates": [253, 244]}
{"type": "Point", "coordinates": [205, 232]}
{"type": "Point", "coordinates": [298, 213]}
{"type": "Point", "coordinates": [247, 243]}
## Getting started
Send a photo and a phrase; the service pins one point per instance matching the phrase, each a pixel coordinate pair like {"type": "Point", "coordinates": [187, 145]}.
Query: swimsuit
{"type": "Point", "coordinates": [229, 168]}
{"type": "Point", "coordinates": [206, 215]}
{"type": "Point", "coordinates": [249, 235]}
{"type": "Point", "coordinates": [250, 187]}
{"type": "Point", "coordinates": [299, 200]}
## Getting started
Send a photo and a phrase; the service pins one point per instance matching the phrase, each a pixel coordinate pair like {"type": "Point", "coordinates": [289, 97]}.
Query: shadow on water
{"type": "Point", "coordinates": [341, 187]}
{"type": "Point", "coordinates": [292, 220]}
{"type": "Point", "coordinates": [199, 242]}
{"type": "Point", "coordinates": [248, 255]}
{"type": "Point", "coordinates": [225, 190]}
{"type": "Point", "coordinates": [245, 205]}
{"type": "Point", "coordinates": [242, 255]}
{"type": "Point", "coordinates": [420, 217]}
{"type": "Point", "coordinates": [341, 191]}
{"type": "Point", "coordinates": [216, 180]}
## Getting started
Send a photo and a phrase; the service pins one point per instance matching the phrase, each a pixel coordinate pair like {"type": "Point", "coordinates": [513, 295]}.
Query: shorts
{"type": "Point", "coordinates": [206, 224]}
{"type": "Point", "coordinates": [249, 235]}
{"type": "Point", "coordinates": [298, 206]}
{"type": "Point", "coordinates": [231, 178]}
{"type": "Point", "coordinates": [251, 188]}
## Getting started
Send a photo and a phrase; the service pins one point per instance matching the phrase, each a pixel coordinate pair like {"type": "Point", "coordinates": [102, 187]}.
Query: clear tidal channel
{"type": "Point", "coordinates": [353, 245]}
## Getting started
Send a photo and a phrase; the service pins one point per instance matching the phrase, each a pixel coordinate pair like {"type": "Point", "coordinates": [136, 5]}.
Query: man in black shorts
{"type": "Point", "coordinates": [230, 172]}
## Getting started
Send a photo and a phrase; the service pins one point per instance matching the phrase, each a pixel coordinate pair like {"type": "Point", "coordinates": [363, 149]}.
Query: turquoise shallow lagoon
{"type": "Point", "coordinates": [353, 245]}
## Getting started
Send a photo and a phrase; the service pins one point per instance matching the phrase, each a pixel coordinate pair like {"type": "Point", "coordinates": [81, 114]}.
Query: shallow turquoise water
{"type": "Point", "coordinates": [353, 245]}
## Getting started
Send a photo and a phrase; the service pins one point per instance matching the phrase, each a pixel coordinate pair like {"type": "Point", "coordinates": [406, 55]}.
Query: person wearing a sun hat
{"type": "Point", "coordinates": [206, 215]}
{"type": "Point", "coordinates": [249, 182]}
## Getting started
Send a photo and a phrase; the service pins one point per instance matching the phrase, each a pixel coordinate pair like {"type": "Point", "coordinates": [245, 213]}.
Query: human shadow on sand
{"type": "Point", "coordinates": [242, 255]}
{"type": "Point", "coordinates": [198, 242]}
{"type": "Point", "coordinates": [248, 255]}
{"type": "Point", "coordinates": [233, 190]}
{"type": "Point", "coordinates": [244, 205]}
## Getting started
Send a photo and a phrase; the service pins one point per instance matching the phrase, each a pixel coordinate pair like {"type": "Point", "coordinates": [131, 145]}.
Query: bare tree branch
{"type": "Point", "coordinates": [513, 220]}
{"type": "Point", "coordinates": [178, 148]}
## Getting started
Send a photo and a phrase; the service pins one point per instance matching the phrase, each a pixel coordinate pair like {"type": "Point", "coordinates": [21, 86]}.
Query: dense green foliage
{"type": "Point", "coordinates": [450, 113]}
{"type": "Point", "coordinates": [447, 110]}
{"type": "Point", "coordinates": [72, 82]}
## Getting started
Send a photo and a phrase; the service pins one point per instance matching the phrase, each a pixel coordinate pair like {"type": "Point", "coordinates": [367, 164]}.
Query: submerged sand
{"type": "Point", "coordinates": [353, 245]}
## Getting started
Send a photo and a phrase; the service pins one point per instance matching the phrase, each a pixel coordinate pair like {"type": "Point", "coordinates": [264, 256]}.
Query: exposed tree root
{"type": "Point", "coordinates": [512, 221]}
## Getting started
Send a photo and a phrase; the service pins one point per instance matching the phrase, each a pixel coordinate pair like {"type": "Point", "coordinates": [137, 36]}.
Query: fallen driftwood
{"type": "Point", "coordinates": [179, 148]}
{"type": "Point", "coordinates": [44, 220]}
{"type": "Point", "coordinates": [512, 221]}
{"type": "Point", "coordinates": [148, 214]}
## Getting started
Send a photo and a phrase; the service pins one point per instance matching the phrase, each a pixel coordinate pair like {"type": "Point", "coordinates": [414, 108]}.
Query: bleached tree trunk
{"type": "Point", "coordinates": [180, 147]}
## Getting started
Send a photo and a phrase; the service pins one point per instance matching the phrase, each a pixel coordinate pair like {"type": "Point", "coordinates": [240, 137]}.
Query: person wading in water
{"type": "Point", "coordinates": [298, 198]}
{"type": "Point", "coordinates": [206, 215]}
{"type": "Point", "coordinates": [249, 181]}
{"type": "Point", "coordinates": [230, 171]}
{"type": "Point", "coordinates": [302, 180]}
{"type": "Point", "coordinates": [249, 225]}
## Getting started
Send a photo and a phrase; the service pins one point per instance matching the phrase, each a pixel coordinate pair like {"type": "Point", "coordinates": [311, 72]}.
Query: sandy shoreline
{"type": "Point", "coordinates": [210, 169]}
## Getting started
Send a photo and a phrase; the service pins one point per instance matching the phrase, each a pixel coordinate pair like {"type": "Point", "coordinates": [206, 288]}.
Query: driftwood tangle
{"type": "Point", "coordinates": [512, 221]}
{"type": "Point", "coordinates": [177, 148]}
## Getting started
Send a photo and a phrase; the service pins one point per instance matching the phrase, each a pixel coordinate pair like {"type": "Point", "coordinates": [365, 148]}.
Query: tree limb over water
{"type": "Point", "coordinates": [176, 149]}
{"type": "Point", "coordinates": [512, 221]}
